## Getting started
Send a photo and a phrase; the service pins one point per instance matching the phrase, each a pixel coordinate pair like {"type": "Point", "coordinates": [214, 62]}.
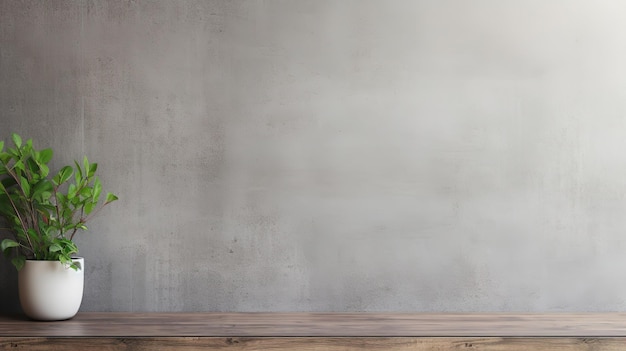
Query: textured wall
{"type": "Point", "coordinates": [321, 155]}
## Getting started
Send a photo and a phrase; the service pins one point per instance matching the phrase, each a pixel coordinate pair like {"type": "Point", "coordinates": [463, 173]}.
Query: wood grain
{"type": "Point", "coordinates": [102, 324]}
{"type": "Point", "coordinates": [314, 344]}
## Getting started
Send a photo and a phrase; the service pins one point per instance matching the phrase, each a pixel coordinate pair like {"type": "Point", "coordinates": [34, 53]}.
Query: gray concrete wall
{"type": "Point", "coordinates": [327, 155]}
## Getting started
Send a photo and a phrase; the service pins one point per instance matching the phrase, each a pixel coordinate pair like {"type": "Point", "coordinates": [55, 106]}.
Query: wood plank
{"type": "Point", "coordinates": [98, 324]}
{"type": "Point", "coordinates": [314, 344]}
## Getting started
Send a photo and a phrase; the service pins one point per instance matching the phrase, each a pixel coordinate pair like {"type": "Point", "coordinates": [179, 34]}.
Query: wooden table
{"type": "Point", "coordinates": [318, 331]}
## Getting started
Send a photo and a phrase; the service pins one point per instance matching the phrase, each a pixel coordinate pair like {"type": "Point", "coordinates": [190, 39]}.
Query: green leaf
{"type": "Point", "coordinates": [55, 248]}
{"type": "Point", "coordinates": [7, 244]}
{"type": "Point", "coordinates": [111, 197]}
{"type": "Point", "coordinates": [5, 157]}
{"type": "Point", "coordinates": [18, 261]}
{"type": "Point", "coordinates": [63, 176]}
{"type": "Point", "coordinates": [44, 170]}
{"type": "Point", "coordinates": [79, 173]}
{"type": "Point", "coordinates": [89, 206]}
{"type": "Point", "coordinates": [97, 189]}
{"type": "Point", "coordinates": [17, 140]}
{"type": "Point", "coordinates": [1, 145]}
{"type": "Point", "coordinates": [86, 192]}
{"type": "Point", "coordinates": [19, 165]}
{"type": "Point", "coordinates": [65, 260]}
{"type": "Point", "coordinates": [33, 235]}
{"type": "Point", "coordinates": [76, 201]}
{"type": "Point", "coordinates": [66, 213]}
{"type": "Point", "coordinates": [86, 165]}
{"type": "Point", "coordinates": [25, 186]}
{"type": "Point", "coordinates": [14, 153]}
{"type": "Point", "coordinates": [45, 156]}
{"type": "Point", "coordinates": [41, 187]}
{"type": "Point", "coordinates": [32, 165]}
{"type": "Point", "coordinates": [61, 199]}
{"type": "Point", "coordinates": [92, 169]}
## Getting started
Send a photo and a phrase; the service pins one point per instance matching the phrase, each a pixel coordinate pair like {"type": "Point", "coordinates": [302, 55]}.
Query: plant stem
{"type": "Point", "coordinates": [56, 207]}
{"type": "Point", "coordinates": [17, 212]}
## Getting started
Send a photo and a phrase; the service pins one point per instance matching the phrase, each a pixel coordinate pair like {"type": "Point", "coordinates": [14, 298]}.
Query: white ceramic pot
{"type": "Point", "coordinates": [50, 290]}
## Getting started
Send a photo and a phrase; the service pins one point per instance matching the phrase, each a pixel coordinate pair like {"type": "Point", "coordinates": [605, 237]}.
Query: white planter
{"type": "Point", "coordinates": [50, 290]}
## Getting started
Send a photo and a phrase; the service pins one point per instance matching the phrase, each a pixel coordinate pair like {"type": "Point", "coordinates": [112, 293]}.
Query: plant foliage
{"type": "Point", "coordinates": [44, 212]}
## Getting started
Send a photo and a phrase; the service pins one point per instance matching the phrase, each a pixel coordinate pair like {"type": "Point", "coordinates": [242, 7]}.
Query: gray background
{"type": "Point", "coordinates": [323, 155]}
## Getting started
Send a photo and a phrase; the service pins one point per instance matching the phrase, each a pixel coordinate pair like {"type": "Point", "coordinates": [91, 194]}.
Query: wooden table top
{"type": "Point", "coordinates": [118, 324]}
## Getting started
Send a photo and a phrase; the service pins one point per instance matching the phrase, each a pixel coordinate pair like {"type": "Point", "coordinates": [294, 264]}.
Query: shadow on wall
{"type": "Point", "coordinates": [9, 299]}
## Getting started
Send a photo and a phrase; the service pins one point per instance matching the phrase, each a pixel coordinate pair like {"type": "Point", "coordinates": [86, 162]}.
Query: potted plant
{"type": "Point", "coordinates": [43, 213]}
